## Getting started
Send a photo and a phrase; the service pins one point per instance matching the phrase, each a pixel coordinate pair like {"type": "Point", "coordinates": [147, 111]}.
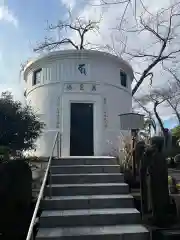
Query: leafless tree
{"type": "Point", "coordinates": [140, 106]}
{"type": "Point", "coordinates": [120, 2]}
{"type": "Point", "coordinates": [174, 73]}
{"type": "Point", "coordinates": [79, 26]}
{"type": "Point", "coordinates": [163, 29]}
{"type": "Point", "coordinates": [106, 2]}
{"type": "Point", "coordinates": [156, 101]}
{"type": "Point", "coordinates": [125, 5]}
{"type": "Point", "coordinates": [171, 96]}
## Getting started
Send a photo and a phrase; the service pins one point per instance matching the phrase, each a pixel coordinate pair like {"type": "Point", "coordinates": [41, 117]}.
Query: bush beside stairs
{"type": "Point", "coordinates": [89, 201]}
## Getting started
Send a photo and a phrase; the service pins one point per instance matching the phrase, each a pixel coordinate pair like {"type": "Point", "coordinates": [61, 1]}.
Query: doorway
{"type": "Point", "coordinates": [81, 130]}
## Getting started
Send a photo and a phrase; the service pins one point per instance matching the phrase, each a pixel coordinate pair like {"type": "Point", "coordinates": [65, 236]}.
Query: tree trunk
{"type": "Point", "coordinates": [161, 124]}
{"type": "Point", "coordinates": [158, 118]}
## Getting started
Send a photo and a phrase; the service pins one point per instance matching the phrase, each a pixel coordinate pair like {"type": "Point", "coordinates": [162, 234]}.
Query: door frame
{"type": "Point", "coordinates": [92, 119]}
{"type": "Point", "coordinates": [97, 101]}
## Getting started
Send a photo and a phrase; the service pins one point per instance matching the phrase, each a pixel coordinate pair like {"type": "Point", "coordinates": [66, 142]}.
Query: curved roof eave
{"type": "Point", "coordinates": [71, 52]}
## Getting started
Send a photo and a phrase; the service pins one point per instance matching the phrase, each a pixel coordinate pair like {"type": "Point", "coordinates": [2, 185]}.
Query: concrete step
{"type": "Point", "coordinates": [87, 202]}
{"type": "Point", "coordinates": [72, 169]}
{"type": "Point", "coordinates": [87, 189]}
{"type": "Point", "coordinates": [85, 161]}
{"type": "Point", "coordinates": [92, 217]}
{"type": "Point", "coordinates": [87, 178]}
{"type": "Point", "coordinates": [122, 232]}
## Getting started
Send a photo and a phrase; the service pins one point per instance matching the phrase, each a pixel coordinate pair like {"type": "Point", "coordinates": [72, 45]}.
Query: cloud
{"type": "Point", "coordinates": [7, 15]}
{"type": "Point", "coordinates": [110, 19]}
{"type": "Point", "coordinates": [69, 3]}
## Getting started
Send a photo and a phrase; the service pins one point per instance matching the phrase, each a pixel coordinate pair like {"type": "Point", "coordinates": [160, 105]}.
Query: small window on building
{"type": "Point", "coordinates": [37, 76]}
{"type": "Point", "coordinates": [123, 77]}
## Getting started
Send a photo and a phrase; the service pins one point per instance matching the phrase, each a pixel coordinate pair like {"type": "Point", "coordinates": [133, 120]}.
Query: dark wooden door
{"type": "Point", "coordinates": [81, 134]}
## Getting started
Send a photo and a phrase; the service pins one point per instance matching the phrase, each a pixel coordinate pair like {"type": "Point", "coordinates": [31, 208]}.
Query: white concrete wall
{"type": "Point", "coordinates": [51, 99]}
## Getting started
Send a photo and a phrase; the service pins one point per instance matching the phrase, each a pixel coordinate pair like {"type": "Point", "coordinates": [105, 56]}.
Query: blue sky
{"type": "Point", "coordinates": [22, 24]}
{"type": "Point", "coordinates": [170, 123]}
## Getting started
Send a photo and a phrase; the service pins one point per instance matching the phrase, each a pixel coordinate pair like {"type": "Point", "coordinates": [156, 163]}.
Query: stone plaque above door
{"type": "Point", "coordinates": [82, 87]}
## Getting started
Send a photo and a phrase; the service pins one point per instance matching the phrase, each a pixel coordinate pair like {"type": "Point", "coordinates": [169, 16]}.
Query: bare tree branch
{"type": "Point", "coordinates": [48, 44]}
{"type": "Point", "coordinates": [156, 103]}
{"type": "Point", "coordinates": [78, 25]}
{"type": "Point", "coordinates": [171, 95]}
{"type": "Point", "coordinates": [111, 2]}
{"type": "Point", "coordinates": [151, 97]}
{"type": "Point", "coordinates": [174, 75]}
{"type": "Point", "coordinates": [142, 105]}
{"type": "Point", "coordinates": [163, 27]}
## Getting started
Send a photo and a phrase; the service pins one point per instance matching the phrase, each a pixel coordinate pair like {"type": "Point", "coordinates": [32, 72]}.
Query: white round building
{"type": "Point", "coordinates": [81, 94]}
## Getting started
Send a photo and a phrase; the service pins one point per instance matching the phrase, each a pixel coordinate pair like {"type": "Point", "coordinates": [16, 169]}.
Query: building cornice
{"type": "Point", "coordinates": [76, 54]}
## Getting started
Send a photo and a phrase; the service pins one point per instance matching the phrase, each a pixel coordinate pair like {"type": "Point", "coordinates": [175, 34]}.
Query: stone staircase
{"type": "Point", "coordinates": [89, 201]}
